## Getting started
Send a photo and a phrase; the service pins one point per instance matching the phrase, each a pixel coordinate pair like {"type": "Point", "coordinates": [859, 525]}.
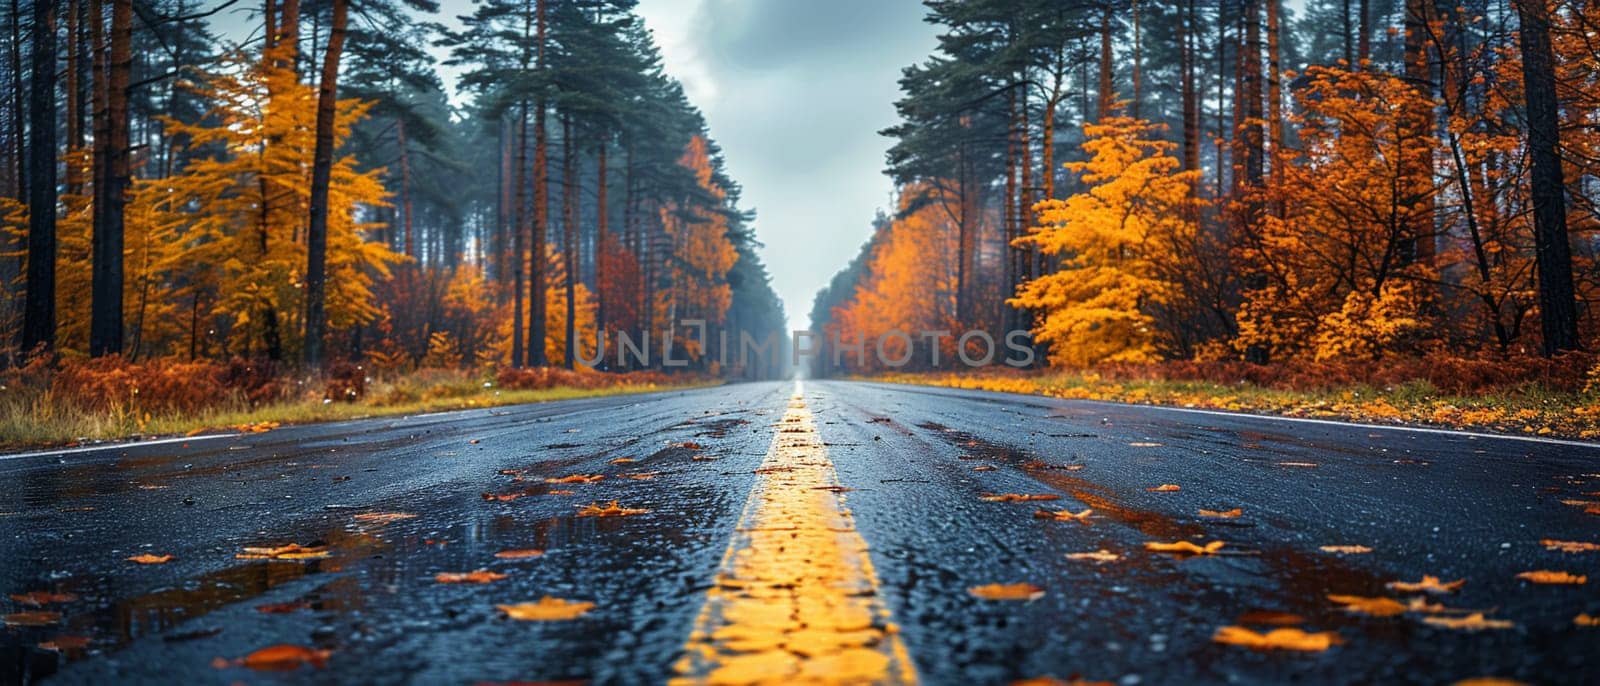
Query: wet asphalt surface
{"type": "Point", "coordinates": [1450, 505]}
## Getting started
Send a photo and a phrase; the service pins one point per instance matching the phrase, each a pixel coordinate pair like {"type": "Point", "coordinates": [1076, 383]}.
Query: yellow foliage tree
{"type": "Point", "coordinates": [701, 255]}
{"type": "Point", "coordinates": [1339, 274]}
{"type": "Point", "coordinates": [243, 205]}
{"type": "Point", "coordinates": [1115, 241]}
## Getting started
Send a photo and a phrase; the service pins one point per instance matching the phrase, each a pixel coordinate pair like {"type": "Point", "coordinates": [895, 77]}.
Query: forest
{"type": "Point", "coordinates": [306, 195]}
{"type": "Point", "coordinates": [1326, 184]}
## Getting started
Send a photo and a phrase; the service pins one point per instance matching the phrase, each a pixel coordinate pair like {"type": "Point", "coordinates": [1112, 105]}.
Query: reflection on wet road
{"type": "Point", "coordinates": [757, 533]}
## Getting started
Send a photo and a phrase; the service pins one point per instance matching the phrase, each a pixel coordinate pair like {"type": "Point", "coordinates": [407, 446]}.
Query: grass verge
{"type": "Point", "coordinates": [42, 419]}
{"type": "Point", "coordinates": [1528, 409]}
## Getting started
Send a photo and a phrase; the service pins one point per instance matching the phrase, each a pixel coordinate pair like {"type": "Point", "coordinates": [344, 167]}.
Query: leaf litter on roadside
{"type": "Point", "coordinates": [149, 559]}
{"type": "Point", "coordinates": [292, 551]}
{"type": "Point", "coordinates": [1064, 515]}
{"type": "Point", "coordinates": [1164, 488]}
{"type": "Point", "coordinates": [1570, 546]}
{"type": "Point", "coordinates": [1098, 556]}
{"type": "Point", "coordinates": [1545, 576]}
{"type": "Point", "coordinates": [1222, 514]}
{"type": "Point", "coordinates": [1472, 622]}
{"type": "Point", "coordinates": [1017, 497]}
{"type": "Point", "coordinates": [1346, 549]}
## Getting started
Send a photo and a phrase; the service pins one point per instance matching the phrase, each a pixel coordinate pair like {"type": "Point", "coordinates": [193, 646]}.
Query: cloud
{"type": "Point", "coordinates": [795, 92]}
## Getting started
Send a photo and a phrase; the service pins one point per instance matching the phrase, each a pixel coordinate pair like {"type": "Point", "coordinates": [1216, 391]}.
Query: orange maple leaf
{"type": "Point", "coordinates": [1101, 555]}
{"type": "Point", "coordinates": [1281, 639]}
{"type": "Point", "coordinates": [522, 554]}
{"type": "Point", "coordinates": [1545, 576]}
{"type": "Point", "coordinates": [575, 479]}
{"type": "Point", "coordinates": [1017, 497]}
{"type": "Point", "coordinates": [1346, 549]}
{"type": "Point", "coordinates": [611, 510]}
{"type": "Point", "coordinates": [1570, 546]}
{"type": "Point", "coordinates": [1428, 584]}
{"type": "Point", "coordinates": [1064, 515]}
{"type": "Point", "coordinates": [1472, 622]}
{"type": "Point", "coordinates": [1017, 591]}
{"type": "Point", "coordinates": [481, 576]}
{"type": "Point", "coordinates": [1222, 514]}
{"type": "Point", "coordinates": [278, 658]}
{"type": "Point", "coordinates": [546, 610]}
{"type": "Point", "coordinates": [1165, 488]}
{"type": "Point", "coordinates": [148, 559]}
{"type": "Point", "coordinates": [1184, 547]}
{"type": "Point", "coordinates": [1376, 607]}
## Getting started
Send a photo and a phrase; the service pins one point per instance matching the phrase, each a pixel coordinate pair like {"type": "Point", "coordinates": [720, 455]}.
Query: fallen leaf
{"type": "Point", "coordinates": [278, 658]}
{"type": "Point", "coordinates": [33, 618]}
{"type": "Point", "coordinates": [522, 554]}
{"type": "Point", "coordinates": [1586, 620]}
{"type": "Point", "coordinates": [61, 644]}
{"type": "Point", "coordinates": [1052, 681]}
{"type": "Point", "coordinates": [256, 428]}
{"type": "Point", "coordinates": [559, 492]}
{"type": "Point", "coordinates": [1222, 514]}
{"type": "Point", "coordinates": [481, 576]}
{"type": "Point", "coordinates": [1375, 607]}
{"type": "Point", "coordinates": [1184, 547]}
{"type": "Point", "coordinates": [611, 510]}
{"type": "Point", "coordinates": [1346, 549]}
{"type": "Point", "coordinates": [1017, 497]}
{"type": "Point", "coordinates": [1018, 591]}
{"type": "Point", "coordinates": [1545, 576]}
{"type": "Point", "coordinates": [546, 610]}
{"type": "Point", "coordinates": [42, 598]}
{"type": "Point", "coordinates": [704, 458]}
{"type": "Point", "coordinates": [575, 479]}
{"type": "Point", "coordinates": [1270, 618]}
{"type": "Point", "coordinates": [1283, 639]}
{"type": "Point", "coordinates": [1063, 515]}
{"type": "Point", "coordinates": [690, 445]}
{"type": "Point", "coordinates": [148, 559]}
{"type": "Point", "coordinates": [984, 468]}
{"type": "Point", "coordinates": [475, 441]}
{"type": "Point", "coordinates": [503, 497]}
{"type": "Point", "coordinates": [641, 476]}
{"type": "Point", "coordinates": [292, 551]}
{"type": "Point", "coordinates": [622, 460]}
{"type": "Point", "coordinates": [1421, 604]}
{"type": "Point", "coordinates": [1165, 488]}
{"type": "Point", "coordinates": [1297, 464]}
{"type": "Point", "coordinates": [1472, 622]}
{"type": "Point", "coordinates": [1570, 546]}
{"type": "Point", "coordinates": [382, 517]}
{"type": "Point", "coordinates": [1101, 555]}
{"type": "Point", "coordinates": [1428, 584]}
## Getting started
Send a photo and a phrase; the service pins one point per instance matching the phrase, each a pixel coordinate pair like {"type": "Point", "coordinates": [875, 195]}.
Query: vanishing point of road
{"type": "Point", "coordinates": [788, 532]}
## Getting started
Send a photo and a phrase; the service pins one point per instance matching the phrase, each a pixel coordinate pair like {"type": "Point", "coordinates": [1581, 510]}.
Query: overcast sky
{"type": "Point", "coordinates": [795, 92]}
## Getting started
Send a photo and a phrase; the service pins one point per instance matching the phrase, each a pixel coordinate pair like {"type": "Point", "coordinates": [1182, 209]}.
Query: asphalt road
{"type": "Point", "coordinates": [902, 473]}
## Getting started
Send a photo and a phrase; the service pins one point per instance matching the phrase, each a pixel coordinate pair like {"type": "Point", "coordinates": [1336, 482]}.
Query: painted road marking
{"type": "Point", "coordinates": [795, 599]}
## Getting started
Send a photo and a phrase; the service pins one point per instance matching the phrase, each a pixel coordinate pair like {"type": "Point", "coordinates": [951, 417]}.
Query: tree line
{"type": "Point", "coordinates": [309, 193]}
{"type": "Point", "coordinates": [1229, 179]}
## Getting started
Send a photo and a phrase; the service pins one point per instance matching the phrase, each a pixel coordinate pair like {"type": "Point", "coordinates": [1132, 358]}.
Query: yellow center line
{"type": "Point", "coordinates": [796, 599]}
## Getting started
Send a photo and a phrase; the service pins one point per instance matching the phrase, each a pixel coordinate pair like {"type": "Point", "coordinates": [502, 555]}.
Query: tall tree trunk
{"type": "Point", "coordinates": [105, 317]}
{"type": "Point", "coordinates": [1349, 36]}
{"type": "Point", "coordinates": [541, 206]}
{"type": "Point", "coordinates": [1419, 130]}
{"type": "Point", "coordinates": [1364, 38]}
{"type": "Point", "coordinates": [74, 183]}
{"type": "Point", "coordinates": [569, 247]}
{"type": "Point", "coordinates": [39, 311]}
{"type": "Point", "coordinates": [1274, 98]}
{"type": "Point", "coordinates": [321, 174]}
{"type": "Point", "coordinates": [405, 185]}
{"type": "Point", "coordinates": [1191, 106]}
{"type": "Point", "coordinates": [1251, 59]}
{"type": "Point", "coordinates": [1138, 58]}
{"type": "Point", "coordinates": [289, 34]}
{"type": "Point", "coordinates": [601, 212]}
{"type": "Point", "coordinates": [518, 253]}
{"type": "Point", "coordinates": [1107, 20]}
{"type": "Point", "coordinates": [1558, 311]}
{"type": "Point", "coordinates": [19, 111]}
